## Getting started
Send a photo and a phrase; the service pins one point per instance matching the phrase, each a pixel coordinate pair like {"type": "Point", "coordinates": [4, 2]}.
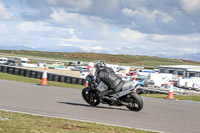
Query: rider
{"type": "Point", "coordinates": [108, 76]}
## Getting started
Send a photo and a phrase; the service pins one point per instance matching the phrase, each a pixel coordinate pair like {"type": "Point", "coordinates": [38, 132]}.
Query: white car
{"type": "Point", "coordinates": [127, 78]}
{"type": "Point", "coordinates": [3, 60]}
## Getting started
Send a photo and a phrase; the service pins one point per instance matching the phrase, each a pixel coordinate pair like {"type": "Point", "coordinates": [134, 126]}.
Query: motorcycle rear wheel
{"type": "Point", "coordinates": [90, 97]}
{"type": "Point", "coordinates": [136, 102]}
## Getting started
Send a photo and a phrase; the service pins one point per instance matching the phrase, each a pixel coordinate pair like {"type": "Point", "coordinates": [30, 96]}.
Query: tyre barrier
{"type": "Point", "coordinates": [21, 72]}
{"type": "Point", "coordinates": [49, 77]}
{"type": "Point", "coordinates": [10, 70]}
{"type": "Point", "coordinates": [1, 68]}
{"type": "Point", "coordinates": [79, 81]}
{"type": "Point", "coordinates": [68, 79]}
{"type": "Point", "coordinates": [16, 71]}
{"type": "Point", "coordinates": [5, 69]}
{"type": "Point", "coordinates": [33, 74]}
{"type": "Point", "coordinates": [38, 75]}
{"type": "Point", "coordinates": [28, 73]}
{"type": "Point", "coordinates": [55, 78]}
{"type": "Point", "coordinates": [74, 80]}
{"type": "Point", "coordinates": [62, 78]}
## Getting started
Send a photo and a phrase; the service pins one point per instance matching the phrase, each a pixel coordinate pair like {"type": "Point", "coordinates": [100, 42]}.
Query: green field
{"type": "Point", "coordinates": [24, 123]}
{"type": "Point", "coordinates": [132, 60]}
{"type": "Point", "coordinates": [176, 97]}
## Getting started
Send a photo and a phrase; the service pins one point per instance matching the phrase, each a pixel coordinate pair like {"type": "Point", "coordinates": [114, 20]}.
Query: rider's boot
{"type": "Point", "coordinates": [105, 93]}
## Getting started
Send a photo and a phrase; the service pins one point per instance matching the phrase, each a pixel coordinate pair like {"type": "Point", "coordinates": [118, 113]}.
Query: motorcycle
{"type": "Point", "coordinates": [126, 97]}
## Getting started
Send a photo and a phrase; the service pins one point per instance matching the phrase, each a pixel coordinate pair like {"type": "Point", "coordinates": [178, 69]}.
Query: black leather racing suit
{"type": "Point", "coordinates": [108, 76]}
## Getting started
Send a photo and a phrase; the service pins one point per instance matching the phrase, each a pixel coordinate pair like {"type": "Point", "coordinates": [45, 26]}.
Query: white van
{"type": "Point", "coordinates": [160, 78]}
{"type": "Point", "coordinates": [3, 60]}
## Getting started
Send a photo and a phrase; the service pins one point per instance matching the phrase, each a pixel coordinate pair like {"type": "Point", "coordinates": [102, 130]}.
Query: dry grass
{"type": "Point", "coordinates": [23, 123]}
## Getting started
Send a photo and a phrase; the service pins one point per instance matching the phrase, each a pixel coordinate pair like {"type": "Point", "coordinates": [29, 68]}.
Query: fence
{"type": "Point", "coordinates": [38, 75]}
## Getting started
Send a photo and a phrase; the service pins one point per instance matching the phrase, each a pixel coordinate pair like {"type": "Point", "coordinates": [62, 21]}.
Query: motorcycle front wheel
{"type": "Point", "coordinates": [136, 103]}
{"type": "Point", "coordinates": [91, 97]}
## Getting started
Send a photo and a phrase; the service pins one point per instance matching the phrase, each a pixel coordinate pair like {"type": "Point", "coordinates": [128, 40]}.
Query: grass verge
{"type": "Point", "coordinates": [7, 76]}
{"type": "Point", "coordinates": [177, 97]}
{"type": "Point", "coordinates": [24, 123]}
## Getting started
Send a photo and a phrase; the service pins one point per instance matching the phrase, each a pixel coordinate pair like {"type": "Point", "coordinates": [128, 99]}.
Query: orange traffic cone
{"type": "Point", "coordinates": [170, 94]}
{"type": "Point", "coordinates": [134, 78]}
{"type": "Point", "coordinates": [44, 77]}
{"type": "Point", "coordinates": [86, 84]}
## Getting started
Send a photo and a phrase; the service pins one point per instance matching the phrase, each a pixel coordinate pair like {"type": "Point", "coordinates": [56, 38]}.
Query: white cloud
{"type": "Point", "coordinates": [75, 39]}
{"type": "Point", "coordinates": [75, 5]}
{"type": "Point", "coordinates": [191, 6]}
{"type": "Point", "coordinates": [3, 13]}
{"type": "Point", "coordinates": [33, 26]}
{"type": "Point", "coordinates": [190, 50]}
{"type": "Point", "coordinates": [97, 48]}
{"type": "Point", "coordinates": [66, 44]}
{"type": "Point", "coordinates": [85, 48]}
{"type": "Point", "coordinates": [91, 49]}
{"type": "Point", "coordinates": [128, 11]}
{"type": "Point", "coordinates": [183, 40]}
{"type": "Point", "coordinates": [72, 31]}
{"type": "Point", "coordinates": [145, 13]}
{"type": "Point", "coordinates": [129, 35]}
{"type": "Point", "coordinates": [33, 46]}
{"type": "Point", "coordinates": [61, 16]}
{"type": "Point", "coordinates": [3, 28]}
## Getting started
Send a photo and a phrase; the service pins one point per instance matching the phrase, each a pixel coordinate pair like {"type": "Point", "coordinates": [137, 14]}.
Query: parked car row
{"type": "Point", "coordinates": [5, 61]}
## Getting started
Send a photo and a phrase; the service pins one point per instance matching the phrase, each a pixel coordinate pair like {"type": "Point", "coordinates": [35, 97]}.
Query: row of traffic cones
{"type": "Point", "coordinates": [44, 82]}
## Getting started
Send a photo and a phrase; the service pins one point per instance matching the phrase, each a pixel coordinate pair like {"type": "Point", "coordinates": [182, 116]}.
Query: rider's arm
{"type": "Point", "coordinates": [97, 78]}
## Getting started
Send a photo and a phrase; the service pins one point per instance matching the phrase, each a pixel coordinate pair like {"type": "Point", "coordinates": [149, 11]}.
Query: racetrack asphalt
{"type": "Point", "coordinates": [158, 114]}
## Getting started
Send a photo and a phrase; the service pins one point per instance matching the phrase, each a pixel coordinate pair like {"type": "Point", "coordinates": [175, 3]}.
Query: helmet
{"type": "Point", "coordinates": [99, 66]}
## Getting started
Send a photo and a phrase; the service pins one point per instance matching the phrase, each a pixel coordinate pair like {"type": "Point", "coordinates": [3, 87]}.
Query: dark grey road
{"type": "Point", "coordinates": [157, 114]}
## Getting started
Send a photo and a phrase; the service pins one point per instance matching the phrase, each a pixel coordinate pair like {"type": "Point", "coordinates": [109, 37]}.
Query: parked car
{"type": "Point", "coordinates": [131, 73]}
{"type": "Point", "coordinates": [127, 78]}
{"type": "Point", "coordinates": [41, 64]}
{"type": "Point", "coordinates": [80, 68]}
{"type": "Point", "coordinates": [3, 60]}
{"type": "Point", "coordinates": [142, 82]}
{"type": "Point", "coordinates": [150, 83]}
{"type": "Point", "coordinates": [10, 62]}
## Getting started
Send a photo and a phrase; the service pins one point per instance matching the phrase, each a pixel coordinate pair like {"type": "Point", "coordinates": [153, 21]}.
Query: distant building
{"type": "Point", "coordinates": [181, 70]}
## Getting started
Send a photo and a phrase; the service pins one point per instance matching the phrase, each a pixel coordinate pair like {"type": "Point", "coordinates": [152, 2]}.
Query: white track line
{"type": "Point", "coordinates": [14, 111]}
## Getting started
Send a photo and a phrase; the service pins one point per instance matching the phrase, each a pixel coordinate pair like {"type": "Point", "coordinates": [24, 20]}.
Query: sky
{"type": "Point", "coordinates": [135, 27]}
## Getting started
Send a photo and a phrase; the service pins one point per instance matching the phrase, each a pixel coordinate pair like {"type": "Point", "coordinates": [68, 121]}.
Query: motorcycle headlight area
{"type": "Point", "coordinates": [88, 78]}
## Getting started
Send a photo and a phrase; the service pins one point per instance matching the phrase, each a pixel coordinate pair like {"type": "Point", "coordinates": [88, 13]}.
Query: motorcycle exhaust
{"type": "Point", "coordinates": [126, 104]}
